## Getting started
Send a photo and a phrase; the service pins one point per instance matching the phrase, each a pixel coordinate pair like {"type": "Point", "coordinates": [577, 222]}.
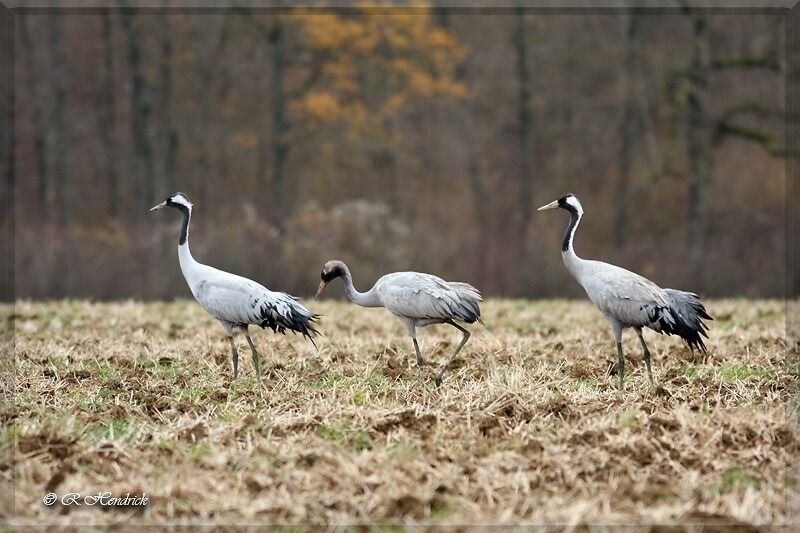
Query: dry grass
{"type": "Point", "coordinates": [527, 427]}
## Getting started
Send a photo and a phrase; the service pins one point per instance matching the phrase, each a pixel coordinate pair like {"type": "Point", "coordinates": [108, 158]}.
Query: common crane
{"type": "Point", "coordinates": [628, 300]}
{"type": "Point", "coordinates": [235, 301]}
{"type": "Point", "coordinates": [417, 299]}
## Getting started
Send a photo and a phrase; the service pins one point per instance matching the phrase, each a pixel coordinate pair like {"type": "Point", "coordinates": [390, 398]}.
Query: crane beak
{"type": "Point", "coordinates": [551, 205]}
{"type": "Point", "coordinates": [159, 206]}
{"type": "Point", "coordinates": [321, 288]}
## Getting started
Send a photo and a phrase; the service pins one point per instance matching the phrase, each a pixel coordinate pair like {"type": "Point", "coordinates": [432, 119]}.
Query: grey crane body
{"type": "Point", "coordinates": [416, 299]}
{"type": "Point", "coordinates": [628, 300]}
{"type": "Point", "coordinates": [237, 302]}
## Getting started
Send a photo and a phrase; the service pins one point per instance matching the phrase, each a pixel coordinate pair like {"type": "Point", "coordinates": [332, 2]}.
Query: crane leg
{"type": "Point", "coordinates": [621, 367]}
{"type": "Point", "coordinates": [420, 360]}
{"type": "Point", "coordinates": [646, 356]}
{"type": "Point", "coordinates": [464, 340]}
{"type": "Point", "coordinates": [255, 358]}
{"type": "Point", "coordinates": [235, 357]}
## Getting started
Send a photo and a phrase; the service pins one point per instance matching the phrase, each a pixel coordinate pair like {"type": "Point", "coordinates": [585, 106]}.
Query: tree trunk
{"type": "Point", "coordinates": [61, 149]}
{"type": "Point", "coordinates": [632, 117]}
{"type": "Point", "coordinates": [481, 207]}
{"type": "Point", "coordinates": [524, 139]}
{"type": "Point", "coordinates": [169, 133]}
{"type": "Point", "coordinates": [7, 195]}
{"type": "Point", "coordinates": [224, 85]}
{"type": "Point", "coordinates": [36, 83]}
{"type": "Point", "coordinates": [279, 148]}
{"type": "Point", "coordinates": [699, 137]}
{"type": "Point", "coordinates": [108, 118]}
{"type": "Point", "coordinates": [141, 110]}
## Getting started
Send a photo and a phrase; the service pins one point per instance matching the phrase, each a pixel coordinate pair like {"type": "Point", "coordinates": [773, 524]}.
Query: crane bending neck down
{"type": "Point", "coordinates": [337, 269]}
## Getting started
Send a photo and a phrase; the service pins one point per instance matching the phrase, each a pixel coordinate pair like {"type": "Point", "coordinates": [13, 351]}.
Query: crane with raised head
{"type": "Point", "coordinates": [628, 300]}
{"type": "Point", "coordinates": [237, 302]}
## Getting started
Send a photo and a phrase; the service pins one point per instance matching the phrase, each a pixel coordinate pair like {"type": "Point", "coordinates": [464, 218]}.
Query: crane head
{"type": "Point", "coordinates": [569, 202]}
{"type": "Point", "coordinates": [178, 200]}
{"type": "Point", "coordinates": [330, 271]}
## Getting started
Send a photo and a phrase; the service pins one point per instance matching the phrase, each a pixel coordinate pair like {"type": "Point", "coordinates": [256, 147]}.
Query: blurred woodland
{"type": "Point", "coordinates": [394, 139]}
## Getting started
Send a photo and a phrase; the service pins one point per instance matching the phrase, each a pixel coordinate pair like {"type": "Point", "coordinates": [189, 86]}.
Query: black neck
{"type": "Point", "coordinates": [573, 221]}
{"type": "Point", "coordinates": [185, 225]}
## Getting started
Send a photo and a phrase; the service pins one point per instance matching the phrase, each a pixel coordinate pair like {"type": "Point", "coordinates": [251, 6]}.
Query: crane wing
{"type": "Point", "coordinates": [426, 297]}
{"type": "Point", "coordinates": [624, 295]}
{"type": "Point", "coordinates": [239, 300]}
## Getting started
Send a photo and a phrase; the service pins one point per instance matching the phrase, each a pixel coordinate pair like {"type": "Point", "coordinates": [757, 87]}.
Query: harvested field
{"type": "Point", "coordinates": [527, 428]}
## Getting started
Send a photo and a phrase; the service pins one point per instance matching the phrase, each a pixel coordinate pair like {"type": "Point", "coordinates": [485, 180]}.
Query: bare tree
{"type": "Point", "coordinates": [61, 150]}
{"type": "Point", "coordinates": [141, 111]}
{"type": "Point", "coordinates": [169, 133]}
{"type": "Point", "coordinates": [698, 141]}
{"type": "Point", "coordinates": [108, 115]}
{"type": "Point", "coordinates": [34, 80]}
{"type": "Point", "coordinates": [705, 130]}
{"type": "Point", "coordinates": [525, 135]}
{"type": "Point", "coordinates": [632, 114]}
{"type": "Point", "coordinates": [279, 147]}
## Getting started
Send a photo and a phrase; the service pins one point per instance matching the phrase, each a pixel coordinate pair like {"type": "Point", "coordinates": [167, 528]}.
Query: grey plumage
{"type": "Point", "coordinates": [628, 300]}
{"type": "Point", "coordinates": [417, 299]}
{"type": "Point", "coordinates": [427, 298]}
{"type": "Point", "coordinates": [237, 302]}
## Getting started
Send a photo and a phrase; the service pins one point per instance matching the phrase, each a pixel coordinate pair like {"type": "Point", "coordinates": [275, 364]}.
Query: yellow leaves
{"type": "Point", "coordinates": [395, 102]}
{"type": "Point", "coordinates": [377, 59]}
{"type": "Point", "coordinates": [321, 106]}
{"type": "Point", "coordinates": [342, 74]}
{"type": "Point", "coordinates": [452, 87]}
{"type": "Point", "coordinates": [444, 47]}
{"type": "Point", "coordinates": [328, 31]}
{"type": "Point", "coordinates": [421, 82]}
{"type": "Point", "coordinates": [245, 139]}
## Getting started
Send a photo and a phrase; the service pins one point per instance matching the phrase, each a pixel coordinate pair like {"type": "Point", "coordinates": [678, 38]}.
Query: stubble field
{"type": "Point", "coordinates": [527, 427]}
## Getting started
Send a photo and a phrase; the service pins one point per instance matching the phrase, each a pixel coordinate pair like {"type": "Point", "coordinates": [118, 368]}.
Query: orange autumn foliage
{"type": "Point", "coordinates": [402, 52]}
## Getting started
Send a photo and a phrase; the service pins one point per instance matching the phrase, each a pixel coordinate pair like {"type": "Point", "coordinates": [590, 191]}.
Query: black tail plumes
{"type": "Point", "coordinates": [294, 318]}
{"type": "Point", "coordinates": [684, 318]}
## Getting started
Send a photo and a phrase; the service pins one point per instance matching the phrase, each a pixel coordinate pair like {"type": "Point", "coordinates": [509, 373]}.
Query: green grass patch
{"type": "Point", "coordinates": [115, 429]}
{"type": "Point", "coordinates": [724, 325]}
{"type": "Point", "coordinates": [325, 382]}
{"type": "Point", "coordinates": [57, 361]}
{"type": "Point", "coordinates": [197, 392]}
{"type": "Point", "coordinates": [103, 371]}
{"type": "Point", "coordinates": [50, 317]}
{"type": "Point", "coordinates": [691, 371]}
{"type": "Point", "coordinates": [628, 420]}
{"type": "Point", "coordinates": [167, 371]}
{"type": "Point", "coordinates": [340, 432]}
{"type": "Point", "coordinates": [439, 510]}
{"type": "Point", "coordinates": [740, 372]}
{"type": "Point", "coordinates": [198, 451]}
{"type": "Point", "coordinates": [737, 478]}
{"type": "Point", "coordinates": [402, 450]}
{"type": "Point", "coordinates": [107, 393]}
{"type": "Point", "coordinates": [146, 362]}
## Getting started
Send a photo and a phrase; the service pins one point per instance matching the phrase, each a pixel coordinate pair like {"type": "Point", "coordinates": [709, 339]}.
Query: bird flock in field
{"type": "Point", "coordinates": [626, 299]}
